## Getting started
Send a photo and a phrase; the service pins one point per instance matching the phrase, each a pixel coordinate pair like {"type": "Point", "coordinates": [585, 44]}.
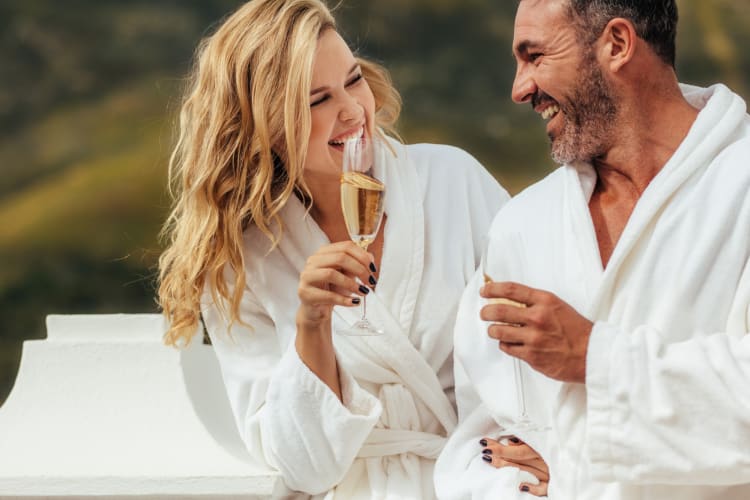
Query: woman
{"type": "Point", "coordinates": [258, 245]}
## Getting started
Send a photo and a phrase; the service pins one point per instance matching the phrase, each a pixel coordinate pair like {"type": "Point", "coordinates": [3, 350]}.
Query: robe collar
{"type": "Point", "coordinates": [393, 304]}
{"type": "Point", "coordinates": [721, 114]}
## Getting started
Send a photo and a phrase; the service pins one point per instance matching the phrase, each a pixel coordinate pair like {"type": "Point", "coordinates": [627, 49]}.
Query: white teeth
{"type": "Point", "coordinates": [550, 112]}
{"type": "Point", "coordinates": [355, 135]}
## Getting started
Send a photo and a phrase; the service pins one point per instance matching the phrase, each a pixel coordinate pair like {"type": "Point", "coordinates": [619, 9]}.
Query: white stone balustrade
{"type": "Point", "coordinates": [102, 409]}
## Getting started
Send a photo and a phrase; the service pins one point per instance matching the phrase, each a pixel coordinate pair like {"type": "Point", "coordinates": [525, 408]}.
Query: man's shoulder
{"type": "Point", "coordinates": [537, 203]}
{"type": "Point", "coordinates": [542, 192]}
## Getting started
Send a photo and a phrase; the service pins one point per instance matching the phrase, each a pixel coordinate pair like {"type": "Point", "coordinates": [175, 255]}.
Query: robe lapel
{"type": "Point", "coordinates": [393, 304]}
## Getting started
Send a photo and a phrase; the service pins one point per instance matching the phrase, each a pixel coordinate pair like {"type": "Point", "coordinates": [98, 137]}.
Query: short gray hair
{"type": "Point", "coordinates": [655, 21]}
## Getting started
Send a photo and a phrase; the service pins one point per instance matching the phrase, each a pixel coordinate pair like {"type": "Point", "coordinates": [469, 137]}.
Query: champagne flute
{"type": "Point", "coordinates": [523, 422]}
{"type": "Point", "coordinates": [362, 194]}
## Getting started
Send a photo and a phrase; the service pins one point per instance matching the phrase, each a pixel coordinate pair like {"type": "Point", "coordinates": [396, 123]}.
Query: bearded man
{"type": "Point", "coordinates": [628, 272]}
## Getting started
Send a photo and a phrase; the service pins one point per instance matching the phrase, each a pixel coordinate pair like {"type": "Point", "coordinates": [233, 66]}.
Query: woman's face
{"type": "Point", "coordinates": [341, 105]}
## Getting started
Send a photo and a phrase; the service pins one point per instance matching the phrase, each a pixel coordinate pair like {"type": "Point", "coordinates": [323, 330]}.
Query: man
{"type": "Point", "coordinates": [631, 266]}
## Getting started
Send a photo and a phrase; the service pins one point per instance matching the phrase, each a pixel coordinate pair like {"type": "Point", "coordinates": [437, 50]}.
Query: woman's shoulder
{"type": "Point", "coordinates": [441, 156]}
{"type": "Point", "coordinates": [444, 164]}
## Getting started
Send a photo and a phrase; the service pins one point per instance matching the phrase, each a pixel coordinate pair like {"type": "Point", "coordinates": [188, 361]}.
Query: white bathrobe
{"type": "Point", "coordinates": [665, 410]}
{"type": "Point", "coordinates": [398, 402]}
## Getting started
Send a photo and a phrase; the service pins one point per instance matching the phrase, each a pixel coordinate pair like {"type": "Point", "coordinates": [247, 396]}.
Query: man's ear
{"type": "Point", "coordinates": [618, 44]}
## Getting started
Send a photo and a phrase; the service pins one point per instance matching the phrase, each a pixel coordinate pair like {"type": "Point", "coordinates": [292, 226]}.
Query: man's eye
{"type": "Point", "coordinates": [534, 56]}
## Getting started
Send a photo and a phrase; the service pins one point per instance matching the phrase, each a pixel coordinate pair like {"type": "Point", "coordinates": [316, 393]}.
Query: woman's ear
{"type": "Point", "coordinates": [619, 40]}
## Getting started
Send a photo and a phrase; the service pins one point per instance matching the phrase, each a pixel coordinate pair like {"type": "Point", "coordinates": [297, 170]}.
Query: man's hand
{"type": "Point", "coordinates": [548, 333]}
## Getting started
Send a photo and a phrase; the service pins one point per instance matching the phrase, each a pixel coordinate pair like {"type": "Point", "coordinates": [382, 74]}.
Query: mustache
{"type": "Point", "coordinates": [539, 98]}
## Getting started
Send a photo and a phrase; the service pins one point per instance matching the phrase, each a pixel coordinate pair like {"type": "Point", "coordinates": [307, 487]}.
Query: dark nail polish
{"type": "Point", "coordinates": [514, 440]}
{"type": "Point", "coordinates": [487, 458]}
{"type": "Point", "coordinates": [487, 451]}
{"type": "Point", "coordinates": [373, 281]}
{"type": "Point", "coordinates": [355, 301]}
{"type": "Point", "coordinates": [524, 488]}
{"type": "Point", "coordinates": [483, 442]}
{"type": "Point", "coordinates": [373, 268]}
{"type": "Point", "coordinates": [364, 289]}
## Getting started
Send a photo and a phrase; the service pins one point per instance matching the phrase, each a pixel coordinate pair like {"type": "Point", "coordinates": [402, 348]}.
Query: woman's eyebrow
{"type": "Point", "coordinates": [325, 87]}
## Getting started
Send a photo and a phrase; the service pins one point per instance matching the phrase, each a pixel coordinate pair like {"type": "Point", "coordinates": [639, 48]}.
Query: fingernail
{"type": "Point", "coordinates": [364, 289]}
{"type": "Point", "coordinates": [524, 488]}
{"type": "Point", "coordinates": [487, 451]}
{"type": "Point", "coordinates": [373, 281]}
{"type": "Point", "coordinates": [373, 268]}
{"type": "Point", "coordinates": [355, 301]}
{"type": "Point", "coordinates": [483, 442]}
{"type": "Point", "coordinates": [514, 440]}
{"type": "Point", "coordinates": [487, 458]}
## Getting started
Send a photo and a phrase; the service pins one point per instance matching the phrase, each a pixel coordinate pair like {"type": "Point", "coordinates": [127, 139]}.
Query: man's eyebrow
{"type": "Point", "coordinates": [325, 87]}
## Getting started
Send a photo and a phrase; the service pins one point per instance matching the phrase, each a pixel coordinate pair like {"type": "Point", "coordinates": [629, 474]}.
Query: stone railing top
{"type": "Point", "coordinates": [102, 408]}
{"type": "Point", "coordinates": [106, 328]}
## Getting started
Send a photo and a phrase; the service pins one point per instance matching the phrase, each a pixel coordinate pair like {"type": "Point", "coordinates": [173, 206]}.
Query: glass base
{"type": "Point", "coordinates": [361, 328]}
{"type": "Point", "coordinates": [525, 425]}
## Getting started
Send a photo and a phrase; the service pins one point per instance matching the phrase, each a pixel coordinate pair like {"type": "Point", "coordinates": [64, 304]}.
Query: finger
{"type": "Point", "coordinates": [509, 290]}
{"type": "Point", "coordinates": [351, 248]}
{"type": "Point", "coordinates": [317, 297]}
{"type": "Point", "coordinates": [328, 279]}
{"type": "Point", "coordinates": [516, 453]}
{"type": "Point", "coordinates": [529, 462]}
{"type": "Point", "coordinates": [507, 334]}
{"type": "Point", "coordinates": [539, 490]}
{"type": "Point", "coordinates": [500, 463]}
{"type": "Point", "coordinates": [503, 313]}
{"type": "Point", "coordinates": [519, 351]}
{"type": "Point", "coordinates": [344, 262]}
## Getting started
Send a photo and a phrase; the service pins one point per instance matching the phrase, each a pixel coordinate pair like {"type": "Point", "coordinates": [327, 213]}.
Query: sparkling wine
{"type": "Point", "coordinates": [362, 204]}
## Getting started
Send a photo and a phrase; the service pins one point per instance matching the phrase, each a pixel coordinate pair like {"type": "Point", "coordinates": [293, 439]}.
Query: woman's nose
{"type": "Point", "coordinates": [351, 109]}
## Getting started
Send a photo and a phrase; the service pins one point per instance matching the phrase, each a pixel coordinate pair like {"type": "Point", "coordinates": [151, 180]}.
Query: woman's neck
{"type": "Point", "coordinates": [326, 206]}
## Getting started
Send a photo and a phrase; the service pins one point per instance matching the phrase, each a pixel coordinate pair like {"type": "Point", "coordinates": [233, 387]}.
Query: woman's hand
{"type": "Point", "coordinates": [329, 279]}
{"type": "Point", "coordinates": [517, 454]}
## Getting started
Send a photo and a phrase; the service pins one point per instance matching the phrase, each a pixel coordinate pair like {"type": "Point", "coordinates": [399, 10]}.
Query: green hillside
{"type": "Point", "coordinates": [88, 91]}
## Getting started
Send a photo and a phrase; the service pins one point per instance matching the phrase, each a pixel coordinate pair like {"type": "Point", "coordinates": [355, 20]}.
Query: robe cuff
{"type": "Point", "coordinates": [355, 399]}
{"type": "Point", "coordinates": [601, 414]}
{"type": "Point", "coordinates": [357, 403]}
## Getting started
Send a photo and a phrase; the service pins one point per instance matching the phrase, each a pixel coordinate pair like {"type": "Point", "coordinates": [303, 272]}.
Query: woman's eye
{"type": "Point", "coordinates": [319, 100]}
{"type": "Point", "coordinates": [354, 80]}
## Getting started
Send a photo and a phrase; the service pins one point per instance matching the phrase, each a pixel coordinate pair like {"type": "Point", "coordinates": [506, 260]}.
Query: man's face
{"type": "Point", "coordinates": [563, 82]}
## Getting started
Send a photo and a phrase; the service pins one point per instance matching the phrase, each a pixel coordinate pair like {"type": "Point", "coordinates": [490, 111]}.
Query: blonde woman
{"type": "Point", "coordinates": [258, 246]}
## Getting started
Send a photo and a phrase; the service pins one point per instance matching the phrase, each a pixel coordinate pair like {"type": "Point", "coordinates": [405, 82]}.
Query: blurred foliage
{"type": "Point", "coordinates": [89, 89]}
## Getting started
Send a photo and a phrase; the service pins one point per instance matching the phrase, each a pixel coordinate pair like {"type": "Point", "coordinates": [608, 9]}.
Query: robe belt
{"type": "Point", "coordinates": [384, 442]}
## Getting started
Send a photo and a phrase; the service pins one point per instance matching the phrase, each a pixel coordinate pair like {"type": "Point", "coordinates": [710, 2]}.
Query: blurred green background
{"type": "Point", "coordinates": [89, 91]}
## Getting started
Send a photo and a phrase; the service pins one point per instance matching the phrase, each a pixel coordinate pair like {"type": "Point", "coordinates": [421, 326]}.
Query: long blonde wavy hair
{"type": "Point", "coordinates": [243, 134]}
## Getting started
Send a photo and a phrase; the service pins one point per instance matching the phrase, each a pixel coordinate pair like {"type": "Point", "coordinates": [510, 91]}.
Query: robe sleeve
{"type": "Point", "coordinates": [669, 413]}
{"type": "Point", "coordinates": [288, 418]}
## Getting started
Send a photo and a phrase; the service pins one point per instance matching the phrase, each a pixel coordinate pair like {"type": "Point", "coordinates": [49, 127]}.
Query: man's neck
{"type": "Point", "coordinates": [651, 133]}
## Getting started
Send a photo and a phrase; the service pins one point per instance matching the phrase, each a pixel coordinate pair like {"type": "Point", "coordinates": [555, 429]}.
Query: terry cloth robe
{"type": "Point", "coordinates": [665, 408]}
{"type": "Point", "coordinates": [398, 402]}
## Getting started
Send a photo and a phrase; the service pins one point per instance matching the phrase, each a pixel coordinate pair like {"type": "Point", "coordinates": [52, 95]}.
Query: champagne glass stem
{"type": "Point", "coordinates": [520, 393]}
{"type": "Point", "coordinates": [363, 244]}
